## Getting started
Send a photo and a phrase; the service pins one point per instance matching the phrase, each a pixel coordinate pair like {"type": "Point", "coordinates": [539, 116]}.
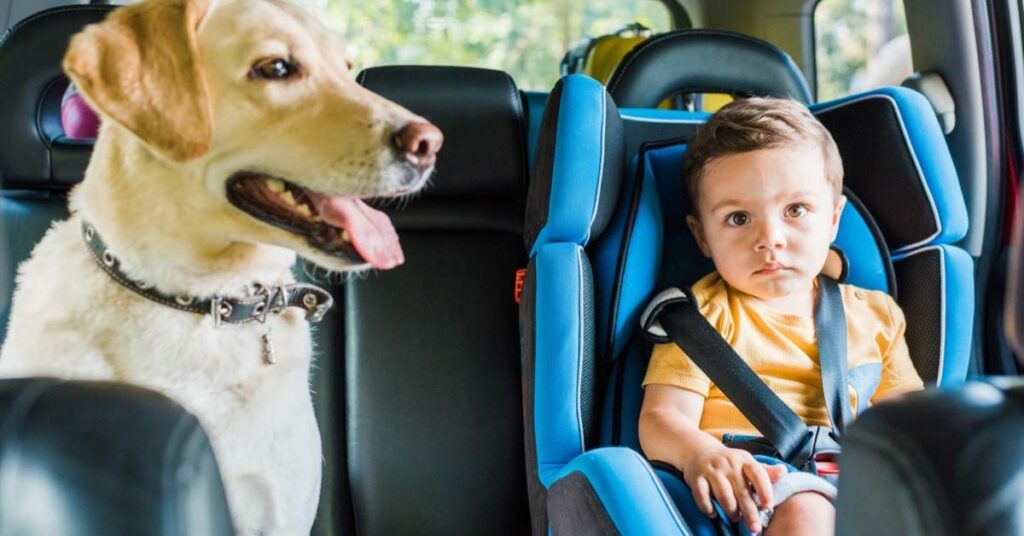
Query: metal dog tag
{"type": "Point", "coordinates": [268, 349]}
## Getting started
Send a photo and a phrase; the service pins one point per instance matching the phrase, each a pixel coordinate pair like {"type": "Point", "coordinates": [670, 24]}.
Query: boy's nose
{"type": "Point", "coordinates": [770, 237]}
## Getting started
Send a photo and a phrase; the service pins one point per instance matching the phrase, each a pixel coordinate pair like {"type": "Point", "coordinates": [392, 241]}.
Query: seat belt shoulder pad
{"type": "Point", "coordinates": [650, 324]}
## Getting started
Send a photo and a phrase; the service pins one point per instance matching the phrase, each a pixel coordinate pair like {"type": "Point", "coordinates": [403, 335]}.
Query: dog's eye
{"type": "Point", "coordinates": [274, 69]}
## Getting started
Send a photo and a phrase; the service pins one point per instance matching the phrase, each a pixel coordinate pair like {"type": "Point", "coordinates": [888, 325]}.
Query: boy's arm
{"type": "Point", "coordinates": [898, 373]}
{"type": "Point", "coordinates": [669, 432]}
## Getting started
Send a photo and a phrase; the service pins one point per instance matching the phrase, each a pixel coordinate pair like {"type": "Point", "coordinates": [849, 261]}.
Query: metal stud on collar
{"type": "Point", "coordinates": [220, 310]}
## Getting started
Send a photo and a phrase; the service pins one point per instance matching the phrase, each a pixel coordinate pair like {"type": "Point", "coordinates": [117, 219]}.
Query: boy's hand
{"type": "Point", "coordinates": [732, 476]}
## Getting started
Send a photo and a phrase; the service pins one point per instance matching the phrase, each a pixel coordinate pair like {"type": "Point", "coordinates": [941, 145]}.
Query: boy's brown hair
{"type": "Point", "coordinates": [756, 123]}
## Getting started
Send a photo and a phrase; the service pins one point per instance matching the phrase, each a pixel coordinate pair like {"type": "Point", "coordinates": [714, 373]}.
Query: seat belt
{"type": "Point", "coordinates": [784, 429]}
{"type": "Point", "coordinates": [830, 329]}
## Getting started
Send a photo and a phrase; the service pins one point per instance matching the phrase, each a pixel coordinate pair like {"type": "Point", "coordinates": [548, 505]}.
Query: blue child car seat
{"type": "Point", "coordinates": [602, 242]}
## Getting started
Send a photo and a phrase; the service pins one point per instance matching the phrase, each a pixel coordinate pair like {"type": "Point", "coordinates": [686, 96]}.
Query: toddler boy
{"type": "Point", "coordinates": [765, 179]}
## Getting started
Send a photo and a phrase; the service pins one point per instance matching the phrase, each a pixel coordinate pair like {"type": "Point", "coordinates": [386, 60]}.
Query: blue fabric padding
{"type": "Point", "coordinates": [682, 261]}
{"type": "Point", "coordinates": [928, 148]}
{"type": "Point", "coordinates": [557, 417]}
{"type": "Point", "coordinates": [604, 253]}
{"type": "Point", "coordinates": [642, 259]}
{"type": "Point", "coordinates": [535, 103]}
{"type": "Point", "coordinates": [578, 166]}
{"type": "Point", "coordinates": [959, 286]}
{"type": "Point", "coordinates": [626, 384]}
{"type": "Point", "coordinates": [699, 523]}
{"type": "Point", "coordinates": [867, 268]}
{"type": "Point", "coordinates": [631, 493]}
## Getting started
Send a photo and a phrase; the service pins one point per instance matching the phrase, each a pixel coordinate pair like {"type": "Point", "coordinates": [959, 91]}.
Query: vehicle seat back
{"type": "Point", "coordinates": [433, 398]}
{"type": "Point", "coordinates": [38, 163]}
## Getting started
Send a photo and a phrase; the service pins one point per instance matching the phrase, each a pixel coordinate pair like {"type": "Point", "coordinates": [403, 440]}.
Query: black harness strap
{"type": "Point", "coordinates": [783, 428]}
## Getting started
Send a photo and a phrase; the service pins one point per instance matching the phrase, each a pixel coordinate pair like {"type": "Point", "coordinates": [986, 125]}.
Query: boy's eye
{"type": "Point", "coordinates": [796, 211]}
{"type": "Point", "coordinates": [737, 219]}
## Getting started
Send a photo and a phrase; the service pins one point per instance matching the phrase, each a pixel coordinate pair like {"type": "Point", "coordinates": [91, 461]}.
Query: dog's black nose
{"type": "Point", "coordinates": [419, 142]}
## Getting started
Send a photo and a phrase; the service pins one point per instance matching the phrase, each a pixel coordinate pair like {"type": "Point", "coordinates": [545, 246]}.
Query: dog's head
{"type": "Point", "coordinates": [253, 103]}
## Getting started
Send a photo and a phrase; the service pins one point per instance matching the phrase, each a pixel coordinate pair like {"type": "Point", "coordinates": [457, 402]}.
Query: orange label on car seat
{"type": "Point", "coordinates": [520, 277]}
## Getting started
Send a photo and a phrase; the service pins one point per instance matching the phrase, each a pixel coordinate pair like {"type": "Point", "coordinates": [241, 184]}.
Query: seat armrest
{"type": "Point", "coordinates": [104, 458]}
{"type": "Point", "coordinates": [611, 491]}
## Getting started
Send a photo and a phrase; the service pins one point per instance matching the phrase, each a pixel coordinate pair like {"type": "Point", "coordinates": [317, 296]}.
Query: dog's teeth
{"type": "Point", "coordinates": [304, 210]}
{"type": "Point", "coordinates": [344, 235]}
{"type": "Point", "coordinates": [275, 185]}
{"type": "Point", "coordinates": [287, 197]}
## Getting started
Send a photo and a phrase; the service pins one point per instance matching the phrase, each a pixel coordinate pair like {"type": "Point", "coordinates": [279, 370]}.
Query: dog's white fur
{"type": "Point", "coordinates": [173, 131]}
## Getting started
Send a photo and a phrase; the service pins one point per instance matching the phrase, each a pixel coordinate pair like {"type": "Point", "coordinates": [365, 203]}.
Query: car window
{"type": "Point", "coordinates": [859, 45]}
{"type": "Point", "coordinates": [526, 38]}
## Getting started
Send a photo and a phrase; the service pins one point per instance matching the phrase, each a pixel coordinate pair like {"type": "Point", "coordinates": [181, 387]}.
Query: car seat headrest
{"type": "Point", "coordinates": [480, 112]}
{"type": "Point", "coordinates": [897, 162]}
{"type": "Point", "coordinates": [35, 153]}
{"type": "Point", "coordinates": [705, 61]}
{"type": "Point", "coordinates": [574, 187]}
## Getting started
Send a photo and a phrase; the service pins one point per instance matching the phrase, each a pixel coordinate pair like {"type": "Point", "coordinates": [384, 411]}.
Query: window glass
{"type": "Point", "coordinates": [860, 44]}
{"type": "Point", "coordinates": [526, 38]}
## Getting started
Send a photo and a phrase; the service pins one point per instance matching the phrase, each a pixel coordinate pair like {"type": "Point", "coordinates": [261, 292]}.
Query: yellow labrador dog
{"type": "Point", "coordinates": [233, 138]}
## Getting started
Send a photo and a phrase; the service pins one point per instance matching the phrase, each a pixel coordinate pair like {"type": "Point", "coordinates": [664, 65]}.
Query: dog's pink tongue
{"type": "Point", "coordinates": [369, 229]}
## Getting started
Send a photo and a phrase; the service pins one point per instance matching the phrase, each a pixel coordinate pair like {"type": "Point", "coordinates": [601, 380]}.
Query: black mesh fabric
{"type": "Point", "coordinates": [880, 168]}
{"type": "Point", "coordinates": [576, 509]}
{"type": "Point", "coordinates": [588, 390]}
{"type": "Point", "coordinates": [919, 278]}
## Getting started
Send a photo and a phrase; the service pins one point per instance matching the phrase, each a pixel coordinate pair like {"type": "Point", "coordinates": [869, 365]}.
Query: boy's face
{"type": "Point", "coordinates": [766, 219]}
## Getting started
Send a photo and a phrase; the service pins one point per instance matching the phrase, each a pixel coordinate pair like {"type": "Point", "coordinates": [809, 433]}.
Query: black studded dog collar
{"type": "Point", "coordinates": [255, 307]}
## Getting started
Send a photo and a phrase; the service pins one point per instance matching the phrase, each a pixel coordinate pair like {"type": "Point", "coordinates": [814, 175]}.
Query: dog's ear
{"type": "Point", "coordinates": [140, 67]}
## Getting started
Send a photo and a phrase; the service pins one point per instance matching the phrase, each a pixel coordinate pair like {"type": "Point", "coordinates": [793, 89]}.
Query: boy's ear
{"type": "Point", "coordinates": [698, 233]}
{"type": "Point", "coordinates": [837, 215]}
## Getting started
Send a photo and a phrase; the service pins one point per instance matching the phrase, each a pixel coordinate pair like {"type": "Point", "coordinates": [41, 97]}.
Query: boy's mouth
{"type": "Point", "coordinates": [769, 268]}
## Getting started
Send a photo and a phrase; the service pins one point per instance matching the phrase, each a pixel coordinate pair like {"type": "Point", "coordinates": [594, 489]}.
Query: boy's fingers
{"type": "Point", "coordinates": [723, 493]}
{"type": "Point", "coordinates": [758, 476]}
{"type": "Point", "coordinates": [745, 501]}
{"type": "Point", "coordinates": [702, 496]}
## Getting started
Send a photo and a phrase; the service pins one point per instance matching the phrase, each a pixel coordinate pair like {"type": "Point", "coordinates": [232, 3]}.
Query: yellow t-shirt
{"type": "Point", "coordinates": [782, 350]}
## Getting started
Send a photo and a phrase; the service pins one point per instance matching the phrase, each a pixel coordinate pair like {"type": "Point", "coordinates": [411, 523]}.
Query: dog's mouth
{"type": "Point", "coordinates": [340, 226]}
